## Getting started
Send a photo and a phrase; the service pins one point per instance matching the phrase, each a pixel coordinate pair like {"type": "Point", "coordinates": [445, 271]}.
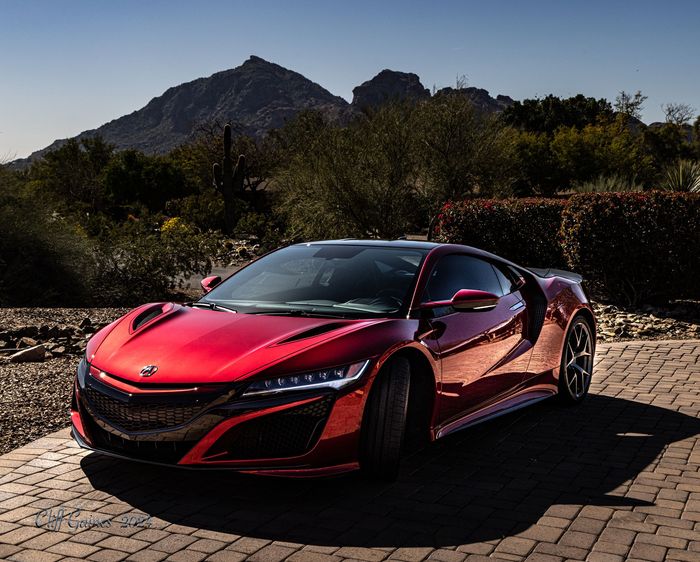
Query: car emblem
{"type": "Point", "coordinates": [148, 370]}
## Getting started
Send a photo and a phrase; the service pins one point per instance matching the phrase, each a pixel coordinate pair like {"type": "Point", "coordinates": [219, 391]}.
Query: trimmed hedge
{"type": "Point", "coordinates": [630, 247]}
{"type": "Point", "coordinates": [525, 231]}
{"type": "Point", "coordinates": [635, 247]}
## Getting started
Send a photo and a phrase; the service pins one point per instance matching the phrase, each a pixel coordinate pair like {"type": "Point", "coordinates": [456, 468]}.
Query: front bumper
{"type": "Point", "coordinates": [299, 434]}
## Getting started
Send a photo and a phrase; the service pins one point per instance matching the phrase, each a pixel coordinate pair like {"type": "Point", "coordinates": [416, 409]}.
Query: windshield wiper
{"type": "Point", "coordinates": [210, 306]}
{"type": "Point", "coordinates": [297, 312]}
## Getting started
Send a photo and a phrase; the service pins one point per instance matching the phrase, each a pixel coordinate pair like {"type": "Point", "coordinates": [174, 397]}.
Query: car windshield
{"type": "Point", "coordinates": [315, 279]}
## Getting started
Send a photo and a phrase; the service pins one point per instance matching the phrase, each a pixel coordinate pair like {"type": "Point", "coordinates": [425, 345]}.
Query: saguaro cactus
{"type": "Point", "coordinates": [229, 180]}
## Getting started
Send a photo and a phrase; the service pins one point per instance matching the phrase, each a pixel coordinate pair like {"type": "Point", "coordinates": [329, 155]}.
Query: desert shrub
{"type": "Point", "coordinates": [523, 230]}
{"type": "Point", "coordinates": [635, 247]}
{"type": "Point", "coordinates": [267, 228]}
{"type": "Point", "coordinates": [205, 209]}
{"type": "Point", "coordinates": [140, 261]}
{"type": "Point", "coordinates": [603, 149]}
{"type": "Point", "coordinates": [461, 151]}
{"type": "Point", "coordinates": [359, 181]}
{"type": "Point", "coordinates": [44, 258]}
{"type": "Point", "coordinates": [132, 177]}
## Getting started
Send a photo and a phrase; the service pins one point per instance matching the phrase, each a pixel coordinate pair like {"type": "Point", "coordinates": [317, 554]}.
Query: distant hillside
{"type": "Point", "coordinates": [258, 96]}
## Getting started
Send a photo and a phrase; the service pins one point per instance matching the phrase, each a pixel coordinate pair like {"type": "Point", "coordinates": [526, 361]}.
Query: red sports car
{"type": "Point", "coordinates": [329, 356]}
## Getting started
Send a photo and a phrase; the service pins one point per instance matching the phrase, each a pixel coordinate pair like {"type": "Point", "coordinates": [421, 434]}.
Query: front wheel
{"type": "Point", "coordinates": [384, 423]}
{"type": "Point", "coordinates": [576, 362]}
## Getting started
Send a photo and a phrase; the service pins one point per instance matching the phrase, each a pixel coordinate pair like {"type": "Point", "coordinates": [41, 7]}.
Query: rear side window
{"type": "Point", "coordinates": [455, 272]}
{"type": "Point", "coordinates": [507, 280]}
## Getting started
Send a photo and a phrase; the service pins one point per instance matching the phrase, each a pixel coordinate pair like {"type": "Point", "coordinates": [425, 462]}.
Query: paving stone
{"type": "Point", "coordinates": [546, 485]}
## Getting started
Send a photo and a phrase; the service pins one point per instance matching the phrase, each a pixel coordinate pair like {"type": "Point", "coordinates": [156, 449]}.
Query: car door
{"type": "Point", "coordinates": [483, 353]}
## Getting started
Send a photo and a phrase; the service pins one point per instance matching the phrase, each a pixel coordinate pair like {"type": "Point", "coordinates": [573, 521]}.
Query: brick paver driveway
{"type": "Point", "coordinates": [614, 478]}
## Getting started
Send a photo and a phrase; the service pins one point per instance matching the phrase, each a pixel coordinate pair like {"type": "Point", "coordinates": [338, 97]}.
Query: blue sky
{"type": "Point", "coordinates": [71, 65]}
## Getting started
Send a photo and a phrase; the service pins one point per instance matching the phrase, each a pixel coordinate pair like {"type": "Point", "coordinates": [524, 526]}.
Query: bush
{"type": "Point", "coordinates": [522, 230]}
{"type": "Point", "coordinates": [138, 262]}
{"type": "Point", "coordinates": [635, 247]}
{"type": "Point", "coordinates": [44, 258]}
{"type": "Point", "coordinates": [205, 209]}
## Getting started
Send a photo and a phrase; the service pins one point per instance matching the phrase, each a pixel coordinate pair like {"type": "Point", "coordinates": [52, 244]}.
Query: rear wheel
{"type": "Point", "coordinates": [384, 422]}
{"type": "Point", "coordinates": [577, 361]}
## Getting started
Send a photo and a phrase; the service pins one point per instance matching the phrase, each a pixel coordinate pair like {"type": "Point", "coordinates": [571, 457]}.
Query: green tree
{"type": "Point", "coordinates": [540, 173]}
{"type": "Point", "coordinates": [630, 105]}
{"type": "Point", "coordinates": [132, 178]}
{"type": "Point", "coordinates": [463, 152]}
{"type": "Point", "coordinates": [357, 181]}
{"type": "Point", "coordinates": [605, 149]}
{"type": "Point", "coordinates": [668, 143]}
{"type": "Point", "coordinates": [546, 115]}
{"type": "Point", "coordinates": [73, 170]}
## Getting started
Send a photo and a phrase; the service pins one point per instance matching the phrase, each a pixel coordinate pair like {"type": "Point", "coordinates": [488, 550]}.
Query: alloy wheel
{"type": "Point", "coordinates": [579, 360]}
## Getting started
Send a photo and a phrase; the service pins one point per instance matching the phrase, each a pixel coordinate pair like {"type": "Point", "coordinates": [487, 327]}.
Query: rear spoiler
{"type": "Point", "coordinates": [549, 272]}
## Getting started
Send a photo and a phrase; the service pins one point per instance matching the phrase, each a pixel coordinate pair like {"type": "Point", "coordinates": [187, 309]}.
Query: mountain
{"type": "Point", "coordinates": [386, 86]}
{"type": "Point", "coordinates": [481, 98]}
{"type": "Point", "coordinates": [258, 96]}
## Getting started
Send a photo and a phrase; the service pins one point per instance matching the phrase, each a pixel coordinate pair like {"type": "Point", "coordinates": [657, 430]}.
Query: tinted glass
{"type": "Point", "coordinates": [506, 283]}
{"type": "Point", "coordinates": [331, 279]}
{"type": "Point", "coordinates": [456, 272]}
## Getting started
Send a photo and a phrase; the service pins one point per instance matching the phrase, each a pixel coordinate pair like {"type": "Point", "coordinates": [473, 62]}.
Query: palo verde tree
{"type": "Point", "coordinates": [462, 152]}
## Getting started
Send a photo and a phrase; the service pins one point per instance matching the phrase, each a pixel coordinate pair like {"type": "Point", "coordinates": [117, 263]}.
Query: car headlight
{"type": "Point", "coordinates": [337, 377]}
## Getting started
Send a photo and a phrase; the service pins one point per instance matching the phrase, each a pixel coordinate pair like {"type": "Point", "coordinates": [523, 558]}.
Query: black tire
{"type": "Point", "coordinates": [576, 368]}
{"type": "Point", "coordinates": [384, 422]}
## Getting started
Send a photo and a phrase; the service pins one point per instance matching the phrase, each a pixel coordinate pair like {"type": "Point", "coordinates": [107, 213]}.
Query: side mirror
{"type": "Point", "coordinates": [473, 299]}
{"type": "Point", "coordinates": [208, 283]}
{"type": "Point", "coordinates": [467, 299]}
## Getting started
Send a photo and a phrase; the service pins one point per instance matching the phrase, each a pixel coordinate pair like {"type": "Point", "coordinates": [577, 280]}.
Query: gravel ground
{"type": "Point", "coordinates": [35, 400]}
{"type": "Point", "coordinates": [35, 397]}
{"type": "Point", "coordinates": [11, 318]}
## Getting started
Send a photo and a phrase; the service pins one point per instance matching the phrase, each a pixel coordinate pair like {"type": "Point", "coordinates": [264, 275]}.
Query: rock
{"type": "Point", "coordinates": [58, 350]}
{"type": "Point", "coordinates": [481, 98]}
{"type": "Point", "coordinates": [26, 342]}
{"type": "Point", "coordinates": [28, 331]}
{"type": "Point", "coordinates": [34, 354]}
{"type": "Point", "coordinates": [386, 86]}
{"type": "Point", "coordinates": [85, 323]}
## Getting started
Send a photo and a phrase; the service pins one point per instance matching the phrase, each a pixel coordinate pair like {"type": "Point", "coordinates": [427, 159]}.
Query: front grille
{"type": "Point", "coordinates": [288, 433]}
{"type": "Point", "coordinates": [143, 416]}
{"type": "Point", "coordinates": [168, 452]}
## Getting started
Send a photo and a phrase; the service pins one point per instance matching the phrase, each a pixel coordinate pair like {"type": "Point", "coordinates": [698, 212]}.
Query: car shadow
{"type": "Point", "coordinates": [483, 483]}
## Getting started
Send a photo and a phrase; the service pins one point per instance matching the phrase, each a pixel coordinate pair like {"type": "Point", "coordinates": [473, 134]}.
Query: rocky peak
{"type": "Point", "coordinates": [481, 98]}
{"type": "Point", "coordinates": [388, 85]}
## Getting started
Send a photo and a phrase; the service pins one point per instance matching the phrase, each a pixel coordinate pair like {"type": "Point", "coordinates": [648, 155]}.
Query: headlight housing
{"type": "Point", "coordinates": [336, 377]}
{"type": "Point", "coordinates": [83, 370]}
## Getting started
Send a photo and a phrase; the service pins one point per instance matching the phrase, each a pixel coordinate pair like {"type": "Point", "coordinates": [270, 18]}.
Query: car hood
{"type": "Point", "coordinates": [193, 345]}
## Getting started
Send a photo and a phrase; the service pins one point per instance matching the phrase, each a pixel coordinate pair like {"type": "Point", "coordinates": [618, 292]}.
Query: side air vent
{"type": "Point", "coordinates": [317, 331]}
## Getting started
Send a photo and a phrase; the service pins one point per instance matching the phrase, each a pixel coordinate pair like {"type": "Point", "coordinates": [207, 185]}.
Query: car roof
{"type": "Point", "coordinates": [410, 244]}
{"type": "Point", "coordinates": [413, 244]}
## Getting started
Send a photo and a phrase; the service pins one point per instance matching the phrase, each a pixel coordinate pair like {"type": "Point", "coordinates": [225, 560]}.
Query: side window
{"type": "Point", "coordinates": [506, 282]}
{"type": "Point", "coordinates": [456, 272]}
